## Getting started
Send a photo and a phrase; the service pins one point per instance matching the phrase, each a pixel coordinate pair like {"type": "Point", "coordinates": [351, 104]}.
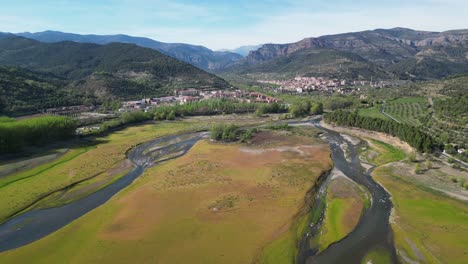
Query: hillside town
{"type": "Point", "coordinates": [301, 85]}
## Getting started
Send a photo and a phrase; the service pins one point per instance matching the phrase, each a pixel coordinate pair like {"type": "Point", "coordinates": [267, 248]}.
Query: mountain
{"type": "Point", "coordinates": [116, 70]}
{"type": "Point", "coordinates": [314, 62]}
{"type": "Point", "coordinates": [404, 52]}
{"type": "Point", "coordinates": [243, 50]}
{"type": "Point", "coordinates": [198, 56]}
{"type": "Point", "coordinates": [24, 91]}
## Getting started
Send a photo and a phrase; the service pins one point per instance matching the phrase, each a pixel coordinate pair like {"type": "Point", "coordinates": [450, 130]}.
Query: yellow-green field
{"type": "Point", "coordinates": [217, 204]}
{"type": "Point", "coordinates": [20, 190]}
{"type": "Point", "coordinates": [428, 226]}
{"type": "Point", "coordinates": [345, 202]}
{"type": "Point", "coordinates": [380, 153]}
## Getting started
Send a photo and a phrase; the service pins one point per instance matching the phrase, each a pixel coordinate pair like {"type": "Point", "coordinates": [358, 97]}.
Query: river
{"type": "Point", "coordinates": [28, 227]}
{"type": "Point", "coordinates": [373, 230]}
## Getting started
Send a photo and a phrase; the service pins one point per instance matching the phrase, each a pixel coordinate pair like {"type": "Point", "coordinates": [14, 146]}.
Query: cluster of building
{"type": "Point", "coordinates": [192, 95]}
{"type": "Point", "coordinates": [323, 84]}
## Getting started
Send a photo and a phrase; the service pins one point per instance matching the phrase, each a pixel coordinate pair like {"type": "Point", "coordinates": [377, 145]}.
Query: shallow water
{"type": "Point", "coordinates": [373, 230]}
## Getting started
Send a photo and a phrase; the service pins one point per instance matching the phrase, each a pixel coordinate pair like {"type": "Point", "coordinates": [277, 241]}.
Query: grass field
{"type": "Point", "coordinates": [407, 109]}
{"type": "Point", "coordinates": [19, 190]}
{"type": "Point", "coordinates": [217, 204]}
{"type": "Point", "coordinates": [380, 153]}
{"type": "Point", "coordinates": [428, 226]}
{"type": "Point", "coordinates": [345, 203]}
{"type": "Point", "coordinates": [373, 112]}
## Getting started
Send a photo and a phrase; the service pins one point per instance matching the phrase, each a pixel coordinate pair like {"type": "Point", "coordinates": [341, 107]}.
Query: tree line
{"type": "Point", "coordinates": [410, 134]}
{"type": "Point", "coordinates": [15, 135]}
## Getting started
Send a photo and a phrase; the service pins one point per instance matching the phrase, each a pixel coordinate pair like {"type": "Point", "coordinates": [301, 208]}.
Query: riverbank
{"type": "Point", "coordinates": [429, 208]}
{"type": "Point", "coordinates": [212, 200]}
{"type": "Point", "coordinates": [86, 162]}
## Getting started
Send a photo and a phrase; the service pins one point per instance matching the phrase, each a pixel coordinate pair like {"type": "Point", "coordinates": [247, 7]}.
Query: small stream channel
{"type": "Point", "coordinates": [28, 227]}
{"type": "Point", "coordinates": [373, 230]}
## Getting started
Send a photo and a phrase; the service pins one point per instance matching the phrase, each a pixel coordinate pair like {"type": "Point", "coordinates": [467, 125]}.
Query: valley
{"type": "Point", "coordinates": [127, 144]}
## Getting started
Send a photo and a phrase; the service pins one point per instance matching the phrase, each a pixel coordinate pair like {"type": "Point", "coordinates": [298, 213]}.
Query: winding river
{"type": "Point", "coordinates": [30, 226]}
{"type": "Point", "coordinates": [373, 230]}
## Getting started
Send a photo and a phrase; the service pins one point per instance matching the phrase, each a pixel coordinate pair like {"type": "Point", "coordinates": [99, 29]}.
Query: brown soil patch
{"type": "Point", "coordinates": [269, 137]}
{"type": "Point", "coordinates": [251, 205]}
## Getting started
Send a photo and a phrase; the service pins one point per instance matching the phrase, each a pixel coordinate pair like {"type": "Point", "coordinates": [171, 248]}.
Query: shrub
{"type": "Point", "coordinates": [247, 135]}
{"type": "Point", "coordinates": [224, 132]}
{"type": "Point", "coordinates": [317, 109]}
{"type": "Point", "coordinates": [417, 169]}
{"type": "Point", "coordinates": [461, 182]}
{"type": "Point", "coordinates": [428, 164]}
{"type": "Point", "coordinates": [279, 127]}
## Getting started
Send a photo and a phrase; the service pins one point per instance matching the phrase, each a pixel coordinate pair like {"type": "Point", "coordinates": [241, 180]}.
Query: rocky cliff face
{"type": "Point", "coordinates": [379, 46]}
{"type": "Point", "coordinates": [402, 51]}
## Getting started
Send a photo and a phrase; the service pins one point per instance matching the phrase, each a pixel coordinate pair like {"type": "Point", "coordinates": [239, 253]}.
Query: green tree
{"type": "Point", "coordinates": [317, 108]}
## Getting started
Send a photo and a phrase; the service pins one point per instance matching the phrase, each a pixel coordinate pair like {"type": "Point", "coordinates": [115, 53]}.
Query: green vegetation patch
{"type": "Point", "coordinates": [377, 256]}
{"type": "Point", "coordinates": [387, 153]}
{"type": "Point", "coordinates": [373, 112]}
{"type": "Point", "coordinates": [408, 109]}
{"type": "Point", "coordinates": [429, 226]}
{"type": "Point", "coordinates": [345, 203]}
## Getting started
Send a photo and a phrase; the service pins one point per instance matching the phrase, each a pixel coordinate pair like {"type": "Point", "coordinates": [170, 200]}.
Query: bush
{"type": "Point", "coordinates": [247, 135]}
{"type": "Point", "coordinates": [417, 169]}
{"type": "Point", "coordinates": [461, 182]}
{"type": "Point", "coordinates": [224, 132]}
{"type": "Point", "coordinates": [279, 127]}
{"type": "Point", "coordinates": [428, 164]}
{"type": "Point", "coordinates": [412, 157]}
{"type": "Point", "coordinates": [299, 108]}
{"type": "Point", "coordinates": [317, 109]}
{"type": "Point", "coordinates": [453, 179]}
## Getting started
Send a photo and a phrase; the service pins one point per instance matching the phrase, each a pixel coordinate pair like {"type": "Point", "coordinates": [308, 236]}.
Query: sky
{"type": "Point", "coordinates": [219, 24]}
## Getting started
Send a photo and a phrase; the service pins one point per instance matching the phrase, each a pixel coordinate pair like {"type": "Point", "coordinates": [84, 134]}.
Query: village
{"type": "Point", "coordinates": [301, 85]}
{"type": "Point", "coordinates": [192, 95]}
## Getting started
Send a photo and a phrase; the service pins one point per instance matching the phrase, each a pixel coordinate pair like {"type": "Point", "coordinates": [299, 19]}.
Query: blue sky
{"type": "Point", "coordinates": [229, 24]}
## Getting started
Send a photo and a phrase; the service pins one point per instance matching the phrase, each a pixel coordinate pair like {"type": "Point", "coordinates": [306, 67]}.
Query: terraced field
{"type": "Point", "coordinates": [407, 109]}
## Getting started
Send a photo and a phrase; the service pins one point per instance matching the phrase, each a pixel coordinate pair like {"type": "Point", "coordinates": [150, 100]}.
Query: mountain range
{"type": "Point", "coordinates": [52, 68]}
{"type": "Point", "coordinates": [243, 50]}
{"type": "Point", "coordinates": [198, 56]}
{"type": "Point", "coordinates": [390, 53]}
{"type": "Point", "coordinates": [93, 71]}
